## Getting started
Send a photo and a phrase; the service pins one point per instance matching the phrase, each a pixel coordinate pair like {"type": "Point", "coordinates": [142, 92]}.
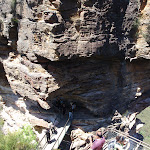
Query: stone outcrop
{"type": "Point", "coordinates": [143, 47]}
{"type": "Point", "coordinates": [61, 30]}
{"type": "Point", "coordinates": [74, 50]}
{"type": "Point", "coordinates": [18, 111]}
{"type": "Point", "coordinates": [100, 86]}
{"type": "Point", "coordinates": [30, 80]}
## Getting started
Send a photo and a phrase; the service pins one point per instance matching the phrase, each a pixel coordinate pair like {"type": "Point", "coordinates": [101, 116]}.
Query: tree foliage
{"type": "Point", "coordinates": [23, 139]}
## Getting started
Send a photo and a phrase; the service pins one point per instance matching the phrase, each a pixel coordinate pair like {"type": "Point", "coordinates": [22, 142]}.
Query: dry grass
{"type": "Point", "coordinates": [144, 117]}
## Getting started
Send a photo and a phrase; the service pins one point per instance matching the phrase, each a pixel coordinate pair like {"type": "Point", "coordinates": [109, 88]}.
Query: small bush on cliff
{"type": "Point", "coordinates": [23, 139]}
{"type": "Point", "coordinates": [13, 6]}
{"type": "Point", "coordinates": [14, 21]}
{"type": "Point", "coordinates": [147, 35]}
{"type": "Point", "coordinates": [135, 29]}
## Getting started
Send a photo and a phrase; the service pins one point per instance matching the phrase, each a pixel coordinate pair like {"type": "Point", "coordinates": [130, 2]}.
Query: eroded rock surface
{"type": "Point", "coordinates": [63, 29]}
{"type": "Point", "coordinates": [142, 45]}
{"type": "Point", "coordinates": [29, 79]}
{"type": "Point", "coordinates": [100, 86]}
{"type": "Point", "coordinates": [74, 50]}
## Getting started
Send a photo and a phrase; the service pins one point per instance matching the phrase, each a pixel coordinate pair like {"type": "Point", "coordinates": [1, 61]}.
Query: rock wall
{"type": "Point", "coordinates": [99, 85]}
{"type": "Point", "coordinates": [143, 48]}
{"type": "Point", "coordinates": [74, 50]}
{"type": "Point", "coordinates": [18, 111]}
{"type": "Point", "coordinates": [59, 29]}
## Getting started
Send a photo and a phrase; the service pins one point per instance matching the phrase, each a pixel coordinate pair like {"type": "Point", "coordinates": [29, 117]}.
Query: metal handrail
{"type": "Point", "coordinates": [40, 142]}
{"type": "Point", "coordinates": [53, 135]}
{"type": "Point", "coordinates": [137, 141]}
{"type": "Point", "coordinates": [61, 132]}
{"type": "Point", "coordinates": [112, 129]}
{"type": "Point", "coordinates": [44, 136]}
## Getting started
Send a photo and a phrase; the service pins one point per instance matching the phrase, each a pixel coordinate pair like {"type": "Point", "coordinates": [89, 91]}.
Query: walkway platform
{"type": "Point", "coordinates": [56, 139]}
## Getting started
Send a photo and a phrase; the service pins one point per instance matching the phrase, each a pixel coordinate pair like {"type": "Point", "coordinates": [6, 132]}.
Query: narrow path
{"type": "Point", "coordinates": [56, 139]}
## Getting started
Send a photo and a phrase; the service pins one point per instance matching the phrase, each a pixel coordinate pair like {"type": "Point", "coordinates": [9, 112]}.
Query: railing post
{"type": "Point", "coordinates": [58, 141]}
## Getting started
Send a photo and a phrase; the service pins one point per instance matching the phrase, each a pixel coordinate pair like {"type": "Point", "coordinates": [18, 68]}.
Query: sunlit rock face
{"type": "Point", "coordinates": [142, 43]}
{"type": "Point", "coordinates": [28, 79]}
{"type": "Point", "coordinates": [74, 50]}
{"type": "Point", "coordinates": [62, 29]}
{"type": "Point", "coordinates": [17, 110]}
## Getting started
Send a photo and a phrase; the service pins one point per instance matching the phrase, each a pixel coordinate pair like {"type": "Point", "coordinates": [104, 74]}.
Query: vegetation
{"type": "Point", "coordinates": [13, 6]}
{"type": "Point", "coordinates": [14, 21]}
{"type": "Point", "coordinates": [23, 139]}
{"type": "Point", "coordinates": [136, 24]}
{"type": "Point", "coordinates": [147, 35]}
{"type": "Point", "coordinates": [135, 29]}
{"type": "Point", "coordinates": [144, 131]}
{"type": "Point", "coordinates": [1, 123]}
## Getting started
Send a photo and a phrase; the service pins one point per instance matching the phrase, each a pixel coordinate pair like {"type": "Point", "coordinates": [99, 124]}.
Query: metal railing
{"type": "Point", "coordinates": [64, 130]}
{"type": "Point", "coordinates": [38, 146]}
{"type": "Point", "coordinates": [111, 134]}
{"type": "Point", "coordinates": [134, 142]}
{"type": "Point", "coordinates": [52, 135]}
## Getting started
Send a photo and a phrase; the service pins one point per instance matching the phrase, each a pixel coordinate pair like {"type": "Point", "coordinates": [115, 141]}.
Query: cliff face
{"type": "Point", "coordinates": [143, 48]}
{"type": "Point", "coordinates": [74, 50]}
{"type": "Point", "coordinates": [62, 30]}
{"type": "Point", "coordinates": [99, 85]}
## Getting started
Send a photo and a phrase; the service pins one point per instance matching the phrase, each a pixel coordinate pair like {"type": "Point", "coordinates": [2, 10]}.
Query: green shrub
{"type": "Point", "coordinates": [134, 33]}
{"type": "Point", "coordinates": [1, 123]}
{"type": "Point", "coordinates": [23, 139]}
{"type": "Point", "coordinates": [14, 21]}
{"type": "Point", "coordinates": [13, 5]}
{"type": "Point", "coordinates": [136, 24]}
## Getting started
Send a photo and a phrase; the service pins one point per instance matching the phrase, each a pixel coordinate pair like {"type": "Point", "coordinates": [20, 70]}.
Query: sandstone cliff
{"type": "Point", "coordinates": [77, 50]}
